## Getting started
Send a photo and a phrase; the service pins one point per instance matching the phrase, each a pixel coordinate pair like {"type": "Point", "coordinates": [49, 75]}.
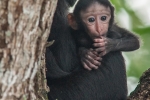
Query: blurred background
{"type": "Point", "coordinates": [134, 15]}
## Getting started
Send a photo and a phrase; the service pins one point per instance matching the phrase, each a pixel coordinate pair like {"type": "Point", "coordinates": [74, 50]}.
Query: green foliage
{"type": "Point", "coordinates": [144, 30]}
{"type": "Point", "coordinates": [139, 60]}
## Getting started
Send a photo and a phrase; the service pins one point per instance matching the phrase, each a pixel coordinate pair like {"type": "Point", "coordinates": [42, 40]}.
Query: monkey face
{"type": "Point", "coordinates": [96, 20]}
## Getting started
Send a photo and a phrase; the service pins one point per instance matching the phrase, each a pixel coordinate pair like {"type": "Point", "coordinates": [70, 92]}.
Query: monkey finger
{"type": "Point", "coordinates": [85, 66]}
{"type": "Point", "coordinates": [100, 49]}
{"type": "Point", "coordinates": [99, 40]}
{"type": "Point", "coordinates": [95, 53]}
{"type": "Point", "coordinates": [90, 65]}
{"type": "Point", "coordinates": [103, 53]}
{"type": "Point", "coordinates": [99, 59]}
{"type": "Point", "coordinates": [91, 55]}
{"type": "Point", "coordinates": [96, 56]}
{"type": "Point", "coordinates": [88, 54]}
{"type": "Point", "coordinates": [94, 60]}
{"type": "Point", "coordinates": [99, 44]}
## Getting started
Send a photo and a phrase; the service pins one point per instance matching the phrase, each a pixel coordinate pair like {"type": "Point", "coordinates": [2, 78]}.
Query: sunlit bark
{"type": "Point", "coordinates": [142, 91]}
{"type": "Point", "coordinates": [24, 28]}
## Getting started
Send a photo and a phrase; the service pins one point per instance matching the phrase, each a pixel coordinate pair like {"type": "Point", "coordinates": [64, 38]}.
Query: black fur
{"type": "Point", "coordinates": [67, 78]}
{"type": "Point", "coordinates": [63, 49]}
{"type": "Point", "coordinates": [106, 83]}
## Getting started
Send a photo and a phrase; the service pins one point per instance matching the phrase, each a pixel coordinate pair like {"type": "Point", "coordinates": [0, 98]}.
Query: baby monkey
{"type": "Point", "coordinates": [96, 34]}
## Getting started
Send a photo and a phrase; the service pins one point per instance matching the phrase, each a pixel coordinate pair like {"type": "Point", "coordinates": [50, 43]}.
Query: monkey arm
{"type": "Point", "coordinates": [124, 40]}
{"type": "Point", "coordinates": [53, 70]}
{"type": "Point", "coordinates": [118, 39]}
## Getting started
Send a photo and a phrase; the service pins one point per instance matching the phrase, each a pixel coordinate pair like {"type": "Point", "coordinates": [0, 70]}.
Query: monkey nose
{"type": "Point", "coordinates": [99, 30]}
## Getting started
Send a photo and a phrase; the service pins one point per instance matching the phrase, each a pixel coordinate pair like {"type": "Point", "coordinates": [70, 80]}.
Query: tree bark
{"type": "Point", "coordinates": [24, 29]}
{"type": "Point", "coordinates": [142, 91]}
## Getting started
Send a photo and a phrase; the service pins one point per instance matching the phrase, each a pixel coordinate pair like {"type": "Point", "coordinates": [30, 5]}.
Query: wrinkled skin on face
{"type": "Point", "coordinates": [96, 23]}
{"type": "Point", "coordinates": [96, 36]}
{"type": "Point", "coordinates": [96, 20]}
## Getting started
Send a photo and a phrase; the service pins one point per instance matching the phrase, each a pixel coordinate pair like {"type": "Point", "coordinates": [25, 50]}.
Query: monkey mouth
{"type": "Point", "coordinates": [97, 37]}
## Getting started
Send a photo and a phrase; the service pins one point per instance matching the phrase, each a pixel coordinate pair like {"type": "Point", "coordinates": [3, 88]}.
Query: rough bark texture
{"type": "Point", "coordinates": [142, 91]}
{"type": "Point", "coordinates": [24, 28]}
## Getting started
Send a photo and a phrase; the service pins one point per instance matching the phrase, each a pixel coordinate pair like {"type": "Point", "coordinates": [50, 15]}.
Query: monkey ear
{"type": "Point", "coordinates": [72, 22]}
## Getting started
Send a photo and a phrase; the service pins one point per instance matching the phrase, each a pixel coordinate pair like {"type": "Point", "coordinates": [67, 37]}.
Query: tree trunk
{"type": "Point", "coordinates": [142, 91]}
{"type": "Point", "coordinates": [24, 28]}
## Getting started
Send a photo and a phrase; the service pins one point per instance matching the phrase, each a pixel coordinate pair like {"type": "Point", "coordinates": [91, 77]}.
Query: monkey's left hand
{"type": "Point", "coordinates": [89, 58]}
{"type": "Point", "coordinates": [104, 45]}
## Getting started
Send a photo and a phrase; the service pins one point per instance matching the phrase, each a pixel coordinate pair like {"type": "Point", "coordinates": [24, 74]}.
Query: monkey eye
{"type": "Point", "coordinates": [103, 18]}
{"type": "Point", "coordinates": [91, 19]}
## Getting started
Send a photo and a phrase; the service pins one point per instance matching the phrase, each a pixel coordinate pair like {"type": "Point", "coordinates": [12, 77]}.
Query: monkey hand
{"type": "Point", "coordinates": [104, 45]}
{"type": "Point", "coordinates": [89, 58]}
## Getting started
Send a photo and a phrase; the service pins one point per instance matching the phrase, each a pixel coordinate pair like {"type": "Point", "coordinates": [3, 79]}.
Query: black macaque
{"type": "Point", "coordinates": [67, 78]}
{"type": "Point", "coordinates": [61, 57]}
